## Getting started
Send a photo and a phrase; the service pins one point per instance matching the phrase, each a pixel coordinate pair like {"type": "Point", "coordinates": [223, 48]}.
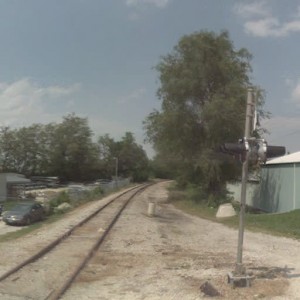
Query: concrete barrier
{"type": "Point", "coordinates": [225, 210]}
{"type": "Point", "coordinates": [151, 209]}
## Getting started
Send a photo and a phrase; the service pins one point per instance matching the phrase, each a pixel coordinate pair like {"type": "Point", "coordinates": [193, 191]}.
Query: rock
{"type": "Point", "coordinates": [259, 296]}
{"type": "Point", "coordinates": [225, 210]}
{"type": "Point", "coordinates": [62, 207]}
{"type": "Point", "coordinates": [209, 290]}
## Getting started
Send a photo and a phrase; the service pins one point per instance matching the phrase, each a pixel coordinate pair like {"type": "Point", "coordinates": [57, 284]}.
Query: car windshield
{"type": "Point", "coordinates": [21, 208]}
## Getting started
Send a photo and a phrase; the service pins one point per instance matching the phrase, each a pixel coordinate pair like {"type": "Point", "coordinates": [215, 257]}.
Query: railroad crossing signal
{"type": "Point", "coordinates": [258, 149]}
{"type": "Point", "coordinates": [248, 148]}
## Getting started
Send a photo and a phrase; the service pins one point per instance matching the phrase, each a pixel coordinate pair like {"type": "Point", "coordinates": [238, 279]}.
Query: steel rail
{"type": "Point", "coordinates": [55, 295]}
{"type": "Point", "coordinates": [58, 240]}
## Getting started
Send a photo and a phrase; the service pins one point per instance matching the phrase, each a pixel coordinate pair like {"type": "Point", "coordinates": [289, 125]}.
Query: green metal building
{"type": "Point", "coordinates": [279, 188]}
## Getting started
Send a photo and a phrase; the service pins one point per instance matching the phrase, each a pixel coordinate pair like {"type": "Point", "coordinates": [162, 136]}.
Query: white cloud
{"type": "Point", "coordinates": [157, 3]}
{"type": "Point", "coordinates": [271, 27]}
{"type": "Point", "coordinates": [263, 27]}
{"type": "Point", "coordinates": [139, 7]}
{"type": "Point", "coordinates": [133, 96]}
{"type": "Point", "coordinates": [25, 102]}
{"type": "Point", "coordinates": [260, 21]}
{"type": "Point", "coordinates": [249, 10]}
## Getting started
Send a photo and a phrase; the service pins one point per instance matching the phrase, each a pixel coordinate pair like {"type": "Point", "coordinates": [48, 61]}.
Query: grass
{"type": "Point", "coordinates": [28, 229]}
{"type": "Point", "coordinates": [284, 224]}
{"type": "Point", "coordinates": [16, 234]}
{"type": "Point", "coordinates": [199, 210]}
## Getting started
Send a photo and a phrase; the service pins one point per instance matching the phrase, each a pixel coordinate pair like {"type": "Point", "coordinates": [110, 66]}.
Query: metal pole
{"type": "Point", "coordinates": [248, 130]}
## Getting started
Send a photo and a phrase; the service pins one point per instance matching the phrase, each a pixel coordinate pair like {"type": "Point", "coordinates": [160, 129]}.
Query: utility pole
{"type": "Point", "coordinates": [250, 111]}
{"type": "Point", "coordinates": [254, 149]}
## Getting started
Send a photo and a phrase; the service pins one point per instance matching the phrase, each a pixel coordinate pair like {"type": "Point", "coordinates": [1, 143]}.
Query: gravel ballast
{"type": "Point", "coordinates": [170, 255]}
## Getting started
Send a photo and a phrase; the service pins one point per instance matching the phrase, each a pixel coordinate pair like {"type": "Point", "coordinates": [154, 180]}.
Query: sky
{"type": "Point", "coordinates": [96, 58]}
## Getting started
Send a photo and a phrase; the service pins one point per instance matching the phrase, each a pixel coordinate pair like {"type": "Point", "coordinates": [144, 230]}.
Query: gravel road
{"type": "Point", "coordinates": [170, 256]}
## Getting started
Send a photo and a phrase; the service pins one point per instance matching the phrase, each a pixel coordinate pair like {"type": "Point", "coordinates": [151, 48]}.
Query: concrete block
{"type": "Point", "coordinates": [225, 210]}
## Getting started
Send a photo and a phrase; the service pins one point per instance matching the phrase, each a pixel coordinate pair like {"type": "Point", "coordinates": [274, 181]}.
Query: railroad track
{"type": "Point", "coordinates": [45, 275]}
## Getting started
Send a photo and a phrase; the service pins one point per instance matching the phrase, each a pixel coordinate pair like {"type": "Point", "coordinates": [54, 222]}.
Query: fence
{"type": "Point", "coordinates": [114, 184]}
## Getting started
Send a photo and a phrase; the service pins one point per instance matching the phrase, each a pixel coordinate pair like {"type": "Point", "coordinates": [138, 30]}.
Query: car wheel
{"type": "Point", "coordinates": [28, 221]}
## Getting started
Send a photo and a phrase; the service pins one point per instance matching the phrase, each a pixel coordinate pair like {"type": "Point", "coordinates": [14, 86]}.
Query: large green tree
{"type": "Point", "coordinates": [25, 150]}
{"type": "Point", "coordinates": [132, 160]}
{"type": "Point", "coordinates": [73, 154]}
{"type": "Point", "coordinates": [203, 86]}
{"type": "Point", "coordinates": [65, 149]}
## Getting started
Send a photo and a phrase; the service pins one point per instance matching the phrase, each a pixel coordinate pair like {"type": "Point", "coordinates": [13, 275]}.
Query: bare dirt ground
{"type": "Point", "coordinates": [170, 256]}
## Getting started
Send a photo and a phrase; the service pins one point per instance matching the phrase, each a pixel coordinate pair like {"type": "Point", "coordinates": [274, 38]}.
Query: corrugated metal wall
{"type": "Point", "coordinates": [278, 191]}
{"type": "Point", "coordinates": [276, 184]}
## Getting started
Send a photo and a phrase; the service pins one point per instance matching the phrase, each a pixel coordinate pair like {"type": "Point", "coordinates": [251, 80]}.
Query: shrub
{"type": "Point", "coordinates": [90, 195]}
{"type": "Point", "coordinates": [94, 194]}
{"type": "Point", "coordinates": [59, 199]}
{"type": "Point", "coordinates": [220, 197]}
{"type": "Point", "coordinates": [195, 193]}
{"type": "Point", "coordinates": [176, 195]}
{"type": "Point", "coordinates": [198, 194]}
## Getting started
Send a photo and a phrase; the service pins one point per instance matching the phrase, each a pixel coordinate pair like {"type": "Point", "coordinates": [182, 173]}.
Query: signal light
{"type": "Point", "coordinates": [264, 151]}
{"type": "Point", "coordinates": [232, 148]}
{"type": "Point", "coordinates": [258, 149]}
{"type": "Point", "coordinates": [274, 151]}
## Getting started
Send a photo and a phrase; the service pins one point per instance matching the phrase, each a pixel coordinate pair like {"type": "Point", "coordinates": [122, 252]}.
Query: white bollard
{"type": "Point", "coordinates": [151, 209]}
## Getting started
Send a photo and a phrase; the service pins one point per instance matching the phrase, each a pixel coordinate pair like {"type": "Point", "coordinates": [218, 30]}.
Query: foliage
{"type": "Point", "coordinates": [66, 197]}
{"type": "Point", "coordinates": [98, 191]}
{"type": "Point", "coordinates": [67, 150]}
{"type": "Point", "coordinates": [124, 157]}
{"type": "Point", "coordinates": [62, 197]}
{"type": "Point", "coordinates": [25, 150]}
{"type": "Point", "coordinates": [73, 153]}
{"type": "Point", "coordinates": [95, 194]}
{"type": "Point", "coordinates": [196, 193]}
{"type": "Point", "coordinates": [203, 92]}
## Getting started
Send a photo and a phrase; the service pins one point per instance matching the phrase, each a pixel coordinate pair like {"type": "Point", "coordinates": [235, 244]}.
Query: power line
{"type": "Point", "coordinates": [285, 135]}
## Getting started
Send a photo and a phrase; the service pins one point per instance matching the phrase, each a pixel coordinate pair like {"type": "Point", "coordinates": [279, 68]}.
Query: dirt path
{"type": "Point", "coordinates": [171, 255]}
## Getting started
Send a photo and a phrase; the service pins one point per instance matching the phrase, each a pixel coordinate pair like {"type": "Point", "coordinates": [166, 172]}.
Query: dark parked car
{"type": "Point", "coordinates": [24, 214]}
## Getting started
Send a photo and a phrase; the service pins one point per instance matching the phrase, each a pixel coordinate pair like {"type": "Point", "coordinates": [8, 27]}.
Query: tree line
{"type": "Point", "coordinates": [67, 150]}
